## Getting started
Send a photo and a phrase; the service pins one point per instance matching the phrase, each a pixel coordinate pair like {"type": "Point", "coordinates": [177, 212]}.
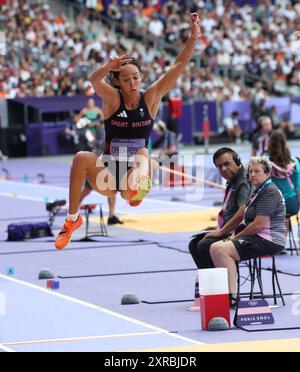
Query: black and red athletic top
{"type": "Point", "coordinates": [129, 129]}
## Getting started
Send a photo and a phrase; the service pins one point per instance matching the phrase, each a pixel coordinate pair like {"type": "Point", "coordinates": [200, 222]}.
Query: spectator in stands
{"type": "Point", "coordinates": [276, 119]}
{"type": "Point", "coordinates": [231, 216]}
{"type": "Point", "coordinates": [90, 122]}
{"type": "Point", "coordinates": [166, 141]}
{"type": "Point", "coordinates": [232, 37]}
{"type": "Point", "coordinates": [261, 140]}
{"type": "Point", "coordinates": [264, 231]}
{"type": "Point", "coordinates": [156, 28]}
{"type": "Point", "coordinates": [259, 95]}
{"type": "Point", "coordinates": [285, 172]}
{"type": "Point", "coordinates": [288, 128]}
{"type": "Point", "coordinates": [94, 7]}
{"type": "Point", "coordinates": [3, 93]}
{"type": "Point", "coordinates": [141, 24]}
{"type": "Point", "coordinates": [232, 127]}
{"type": "Point", "coordinates": [294, 77]}
{"type": "Point", "coordinates": [114, 11]}
{"type": "Point", "coordinates": [151, 7]}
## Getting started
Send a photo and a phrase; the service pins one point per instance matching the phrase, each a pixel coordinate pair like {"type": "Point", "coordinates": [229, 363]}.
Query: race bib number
{"type": "Point", "coordinates": [126, 149]}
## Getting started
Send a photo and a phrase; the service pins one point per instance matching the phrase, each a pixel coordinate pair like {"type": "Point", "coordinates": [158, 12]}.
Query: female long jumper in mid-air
{"type": "Point", "coordinates": [129, 116]}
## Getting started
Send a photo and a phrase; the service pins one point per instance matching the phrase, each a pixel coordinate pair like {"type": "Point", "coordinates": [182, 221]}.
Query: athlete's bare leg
{"type": "Point", "coordinates": [88, 166]}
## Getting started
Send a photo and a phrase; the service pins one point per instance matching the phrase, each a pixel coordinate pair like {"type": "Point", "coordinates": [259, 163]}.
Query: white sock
{"type": "Point", "coordinates": [73, 217]}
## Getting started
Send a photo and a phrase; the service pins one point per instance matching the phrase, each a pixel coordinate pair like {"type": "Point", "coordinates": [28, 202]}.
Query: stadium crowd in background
{"type": "Point", "coordinates": [52, 55]}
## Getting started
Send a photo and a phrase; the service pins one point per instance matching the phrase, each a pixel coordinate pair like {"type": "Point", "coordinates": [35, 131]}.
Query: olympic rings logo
{"type": "Point", "coordinates": [253, 303]}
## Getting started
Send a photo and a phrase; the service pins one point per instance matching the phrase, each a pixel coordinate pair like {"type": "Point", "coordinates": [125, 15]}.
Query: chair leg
{"type": "Point", "coordinates": [294, 240]}
{"type": "Point", "coordinates": [252, 277]}
{"type": "Point", "coordinates": [255, 271]}
{"type": "Point", "coordinates": [259, 278]}
{"type": "Point", "coordinates": [298, 223]}
{"type": "Point", "coordinates": [102, 224]}
{"type": "Point", "coordinates": [293, 245]}
{"type": "Point", "coordinates": [238, 281]}
{"type": "Point", "coordinates": [297, 249]}
{"type": "Point", "coordinates": [290, 237]}
{"type": "Point", "coordinates": [276, 280]}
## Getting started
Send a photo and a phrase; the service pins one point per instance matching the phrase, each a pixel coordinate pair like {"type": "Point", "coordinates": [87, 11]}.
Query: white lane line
{"type": "Point", "coordinates": [18, 194]}
{"type": "Point", "coordinates": [103, 310]}
{"type": "Point", "coordinates": [6, 349]}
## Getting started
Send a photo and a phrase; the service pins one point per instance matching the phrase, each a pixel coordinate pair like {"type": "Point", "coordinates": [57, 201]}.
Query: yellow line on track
{"type": "Point", "coordinates": [284, 345]}
{"type": "Point", "coordinates": [78, 339]}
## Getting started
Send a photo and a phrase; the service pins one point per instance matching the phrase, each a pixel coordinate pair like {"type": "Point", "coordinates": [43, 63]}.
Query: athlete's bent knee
{"type": "Point", "coordinates": [80, 157]}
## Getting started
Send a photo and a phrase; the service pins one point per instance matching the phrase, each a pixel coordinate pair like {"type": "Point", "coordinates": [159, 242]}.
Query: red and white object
{"type": "Point", "coordinates": [214, 295]}
{"type": "Point", "coordinates": [176, 107]}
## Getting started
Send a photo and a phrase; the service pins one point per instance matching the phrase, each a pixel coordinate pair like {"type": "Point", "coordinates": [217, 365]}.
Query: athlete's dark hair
{"type": "Point", "coordinates": [115, 75]}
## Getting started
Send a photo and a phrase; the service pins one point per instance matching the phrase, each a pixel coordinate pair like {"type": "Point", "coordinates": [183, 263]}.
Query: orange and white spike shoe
{"type": "Point", "coordinates": [65, 235]}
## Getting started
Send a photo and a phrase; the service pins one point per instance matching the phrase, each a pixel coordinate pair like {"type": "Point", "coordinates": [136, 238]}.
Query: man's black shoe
{"type": "Point", "coordinates": [113, 220]}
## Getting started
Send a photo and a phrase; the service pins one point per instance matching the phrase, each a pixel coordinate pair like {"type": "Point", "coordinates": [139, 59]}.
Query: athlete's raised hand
{"type": "Point", "coordinates": [116, 63]}
{"type": "Point", "coordinates": [196, 25]}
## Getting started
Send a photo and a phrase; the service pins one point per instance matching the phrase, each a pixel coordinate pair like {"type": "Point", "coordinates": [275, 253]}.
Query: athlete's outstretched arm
{"type": "Point", "coordinates": [161, 87]}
